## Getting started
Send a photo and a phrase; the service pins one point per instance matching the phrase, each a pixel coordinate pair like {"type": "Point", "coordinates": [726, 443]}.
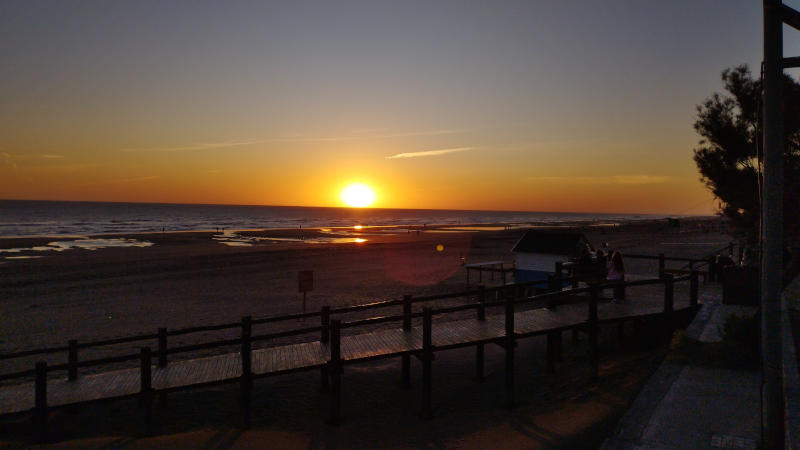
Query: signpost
{"type": "Point", "coordinates": [305, 283]}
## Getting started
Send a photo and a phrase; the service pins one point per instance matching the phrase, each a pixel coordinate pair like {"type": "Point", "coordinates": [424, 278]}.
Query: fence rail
{"type": "Point", "coordinates": [481, 294]}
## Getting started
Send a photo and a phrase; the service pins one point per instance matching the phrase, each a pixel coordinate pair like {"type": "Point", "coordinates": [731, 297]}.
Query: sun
{"type": "Point", "coordinates": [358, 195]}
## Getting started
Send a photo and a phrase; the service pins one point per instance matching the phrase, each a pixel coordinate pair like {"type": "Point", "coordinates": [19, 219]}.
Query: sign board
{"type": "Point", "coordinates": [305, 281]}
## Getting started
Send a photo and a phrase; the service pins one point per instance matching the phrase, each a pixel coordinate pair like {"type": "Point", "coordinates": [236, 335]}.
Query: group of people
{"type": "Point", "coordinates": [605, 265]}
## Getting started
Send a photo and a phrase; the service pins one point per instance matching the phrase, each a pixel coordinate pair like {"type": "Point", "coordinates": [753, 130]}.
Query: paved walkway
{"type": "Point", "coordinates": [687, 406]}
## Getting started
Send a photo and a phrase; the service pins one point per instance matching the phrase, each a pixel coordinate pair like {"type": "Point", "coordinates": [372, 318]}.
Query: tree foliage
{"type": "Point", "coordinates": [728, 154]}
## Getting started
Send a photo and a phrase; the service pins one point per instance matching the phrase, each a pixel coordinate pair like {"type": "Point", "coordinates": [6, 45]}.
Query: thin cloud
{"type": "Point", "coordinates": [205, 146]}
{"type": "Point", "coordinates": [6, 160]}
{"type": "Point", "coordinates": [443, 151]}
{"type": "Point", "coordinates": [132, 180]}
{"type": "Point", "coordinates": [12, 158]}
{"type": "Point", "coordinates": [119, 181]}
{"type": "Point", "coordinates": [366, 134]}
{"type": "Point", "coordinates": [612, 179]}
{"type": "Point", "coordinates": [640, 179]}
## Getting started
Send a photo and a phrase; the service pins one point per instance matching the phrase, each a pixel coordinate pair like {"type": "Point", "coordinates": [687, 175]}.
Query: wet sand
{"type": "Point", "coordinates": [188, 278]}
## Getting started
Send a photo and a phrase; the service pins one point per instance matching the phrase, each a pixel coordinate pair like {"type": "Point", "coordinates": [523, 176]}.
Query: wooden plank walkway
{"type": "Point", "coordinates": [313, 355]}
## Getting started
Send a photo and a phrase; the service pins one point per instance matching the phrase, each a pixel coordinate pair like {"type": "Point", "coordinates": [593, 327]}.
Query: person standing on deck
{"type": "Point", "coordinates": [616, 275]}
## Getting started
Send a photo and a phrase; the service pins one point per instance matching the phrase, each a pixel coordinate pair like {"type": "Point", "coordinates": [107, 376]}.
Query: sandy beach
{"type": "Point", "coordinates": [189, 278]}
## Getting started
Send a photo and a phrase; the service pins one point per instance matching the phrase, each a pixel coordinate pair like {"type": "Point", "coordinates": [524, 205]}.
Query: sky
{"type": "Point", "coordinates": [510, 105]}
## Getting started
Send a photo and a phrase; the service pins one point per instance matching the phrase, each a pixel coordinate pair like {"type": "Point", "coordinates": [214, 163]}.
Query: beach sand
{"type": "Point", "coordinates": [188, 278]}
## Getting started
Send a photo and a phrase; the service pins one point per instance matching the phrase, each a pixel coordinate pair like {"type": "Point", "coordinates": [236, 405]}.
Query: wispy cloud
{"type": "Point", "coordinates": [640, 179]}
{"type": "Point", "coordinates": [132, 180]}
{"type": "Point", "coordinates": [6, 160]}
{"type": "Point", "coordinates": [443, 151]}
{"type": "Point", "coordinates": [119, 181]}
{"type": "Point", "coordinates": [367, 134]}
{"type": "Point", "coordinates": [204, 146]}
{"type": "Point", "coordinates": [8, 157]}
{"type": "Point", "coordinates": [611, 179]}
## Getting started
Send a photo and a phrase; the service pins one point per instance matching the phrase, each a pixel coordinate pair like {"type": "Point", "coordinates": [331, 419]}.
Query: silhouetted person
{"type": "Point", "coordinates": [616, 275]}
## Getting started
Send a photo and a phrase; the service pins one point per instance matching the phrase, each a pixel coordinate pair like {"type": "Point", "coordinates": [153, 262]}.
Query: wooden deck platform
{"type": "Point", "coordinates": [314, 355]}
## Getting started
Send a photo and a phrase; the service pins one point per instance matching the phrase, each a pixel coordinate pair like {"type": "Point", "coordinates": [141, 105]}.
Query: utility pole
{"type": "Point", "coordinates": [772, 230]}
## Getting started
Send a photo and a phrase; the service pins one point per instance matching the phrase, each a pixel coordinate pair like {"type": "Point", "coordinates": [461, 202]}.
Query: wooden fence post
{"type": "Point", "coordinates": [552, 283]}
{"type": "Point", "coordinates": [712, 268]}
{"type": "Point", "coordinates": [661, 265]}
{"type": "Point", "coordinates": [552, 300]}
{"type": "Point", "coordinates": [481, 301]}
{"type": "Point", "coordinates": [72, 360]}
{"type": "Point", "coordinates": [479, 349]}
{"type": "Point", "coordinates": [669, 301]}
{"type": "Point", "coordinates": [551, 350]}
{"type": "Point", "coordinates": [594, 329]}
{"type": "Point", "coordinates": [406, 358]}
{"type": "Point", "coordinates": [162, 347]}
{"type": "Point", "coordinates": [325, 319]}
{"type": "Point", "coordinates": [509, 344]}
{"type": "Point", "coordinates": [146, 388]}
{"type": "Point", "coordinates": [246, 381]}
{"type": "Point", "coordinates": [427, 362]}
{"type": "Point", "coordinates": [693, 288]}
{"type": "Point", "coordinates": [336, 373]}
{"type": "Point", "coordinates": [40, 403]}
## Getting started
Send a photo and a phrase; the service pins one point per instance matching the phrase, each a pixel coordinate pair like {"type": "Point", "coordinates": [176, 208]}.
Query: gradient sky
{"type": "Point", "coordinates": [535, 105]}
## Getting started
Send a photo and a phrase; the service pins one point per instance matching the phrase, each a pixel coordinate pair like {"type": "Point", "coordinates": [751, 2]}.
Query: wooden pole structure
{"type": "Point", "coordinates": [775, 13]}
{"type": "Point", "coordinates": [324, 338]}
{"type": "Point", "coordinates": [509, 344]}
{"type": "Point", "coordinates": [146, 388]}
{"type": "Point", "coordinates": [336, 373]}
{"type": "Point", "coordinates": [593, 328]}
{"type": "Point", "coordinates": [479, 348]}
{"type": "Point", "coordinates": [40, 403]}
{"type": "Point", "coordinates": [162, 347]}
{"type": "Point", "coordinates": [406, 358]}
{"type": "Point", "coordinates": [72, 360]}
{"type": "Point", "coordinates": [712, 268]}
{"type": "Point", "coordinates": [669, 302]}
{"type": "Point", "coordinates": [246, 381]}
{"type": "Point", "coordinates": [427, 362]}
{"type": "Point", "coordinates": [661, 265]}
{"type": "Point", "coordinates": [162, 362]}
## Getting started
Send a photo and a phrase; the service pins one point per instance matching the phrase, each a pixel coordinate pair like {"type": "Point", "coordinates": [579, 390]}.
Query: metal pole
{"type": "Point", "coordinates": [772, 229]}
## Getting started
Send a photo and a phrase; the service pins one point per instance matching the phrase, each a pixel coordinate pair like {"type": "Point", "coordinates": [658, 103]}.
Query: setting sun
{"type": "Point", "coordinates": [358, 195]}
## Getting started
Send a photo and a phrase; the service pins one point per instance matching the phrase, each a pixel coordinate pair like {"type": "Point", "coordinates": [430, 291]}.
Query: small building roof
{"type": "Point", "coordinates": [550, 242]}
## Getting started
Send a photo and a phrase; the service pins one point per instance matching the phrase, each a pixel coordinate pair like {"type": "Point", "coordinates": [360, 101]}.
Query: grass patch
{"type": "Point", "coordinates": [738, 349]}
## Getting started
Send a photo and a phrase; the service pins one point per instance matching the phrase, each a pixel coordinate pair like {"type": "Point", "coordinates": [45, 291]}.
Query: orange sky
{"type": "Point", "coordinates": [434, 105]}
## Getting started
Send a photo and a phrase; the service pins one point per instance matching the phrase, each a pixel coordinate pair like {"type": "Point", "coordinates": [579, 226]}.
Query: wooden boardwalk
{"type": "Point", "coordinates": [397, 342]}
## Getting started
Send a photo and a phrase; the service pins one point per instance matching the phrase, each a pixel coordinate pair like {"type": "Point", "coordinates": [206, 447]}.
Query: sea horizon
{"type": "Point", "coordinates": [59, 217]}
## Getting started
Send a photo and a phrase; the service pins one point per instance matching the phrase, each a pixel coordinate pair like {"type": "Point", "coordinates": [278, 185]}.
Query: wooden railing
{"type": "Point", "coordinates": [161, 336]}
{"type": "Point", "coordinates": [509, 298]}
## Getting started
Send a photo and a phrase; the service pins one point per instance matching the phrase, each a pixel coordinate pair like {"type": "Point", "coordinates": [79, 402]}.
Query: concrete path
{"type": "Point", "coordinates": [687, 406]}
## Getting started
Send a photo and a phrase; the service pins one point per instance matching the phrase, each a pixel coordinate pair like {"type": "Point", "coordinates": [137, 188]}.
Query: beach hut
{"type": "Point", "coordinates": [537, 252]}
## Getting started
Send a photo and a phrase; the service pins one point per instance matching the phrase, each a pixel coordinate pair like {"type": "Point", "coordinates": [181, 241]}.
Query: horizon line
{"type": "Point", "coordinates": [360, 209]}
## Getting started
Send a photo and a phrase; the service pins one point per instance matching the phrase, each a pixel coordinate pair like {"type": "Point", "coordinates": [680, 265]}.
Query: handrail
{"type": "Point", "coordinates": [381, 319]}
{"type": "Point", "coordinates": [287, 333]}
{"type": "Point", "coordinates": [271, 319]}
{"type": "Point", "coordinates": [202, 328]}
{"type": "Point", "coordinates": [41, 351]}
{"type": "Point", "coordinates": [666, 258]}
{"type": "Point", "coordinates": [368, 321]}
{"type": "Point", "coordinates": [122, 340]}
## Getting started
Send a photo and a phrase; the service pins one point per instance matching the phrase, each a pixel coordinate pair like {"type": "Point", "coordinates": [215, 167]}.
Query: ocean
{"type": "Point", "coordinates": [54, 218]}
